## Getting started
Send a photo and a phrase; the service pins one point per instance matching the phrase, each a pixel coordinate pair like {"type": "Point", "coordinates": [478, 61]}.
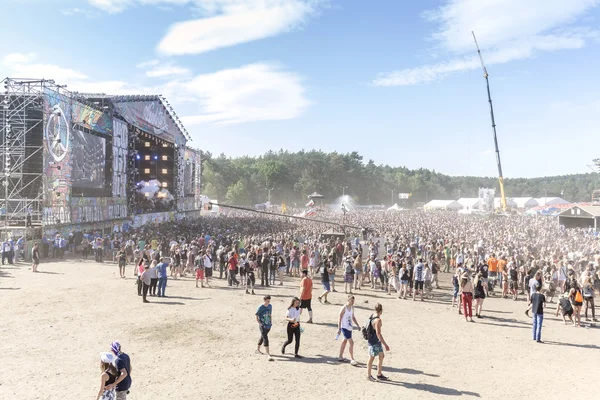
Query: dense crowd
{"type": "Point", "coordinates": [400, 254]}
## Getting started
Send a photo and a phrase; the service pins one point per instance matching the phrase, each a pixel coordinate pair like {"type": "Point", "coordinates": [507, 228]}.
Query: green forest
{"type": "Point", "coordinates": [292, 176]}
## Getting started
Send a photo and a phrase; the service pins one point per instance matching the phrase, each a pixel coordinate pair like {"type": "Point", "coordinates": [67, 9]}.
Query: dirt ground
{"type": "Point", "coordinates": [199, 343]}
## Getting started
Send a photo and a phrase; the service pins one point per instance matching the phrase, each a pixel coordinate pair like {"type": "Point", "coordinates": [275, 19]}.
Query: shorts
{"type": "Point", "coordinates": [567, 313]}
{"type": "Point", "coordinates": [348, 278]}
{"type": "Point", "coordinates": [347, 333]}
{"type": "Point", "coordinates": [305, 304]}
{"type": "Point", "coordinates": [404, 282]}
{"type": "Point", "coordinates": [122, 395]}
{"type": "Point", "coordinates": [455, 293]}
{"type": "Point", "coordinates": [121, 263]}
{"type": "Point", "coordinates": [419, 285]}
{"type": "Point", "coordinates": [513, 284]}
{"type": "Point", "coordinates": [208, 272]}
{"type": "Point", "coordinates": [578, 303]}
{"type": "Point", "coordinates": [326, 286]}
{"type": "Point", "coordinates": [35, 261]}
{"type": "Point", "coordinates": [199, 274]}
{"type": "Point", "coordinates": [375, 349]}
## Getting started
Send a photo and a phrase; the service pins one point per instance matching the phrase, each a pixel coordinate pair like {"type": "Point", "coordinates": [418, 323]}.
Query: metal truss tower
{"type": "Point", "coordinates": [21, 152]}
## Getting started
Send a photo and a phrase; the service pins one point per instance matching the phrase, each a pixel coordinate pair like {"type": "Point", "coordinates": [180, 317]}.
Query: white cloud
{"type": "Point", "coordinates": [255, 92]}
{"type": "Point", "coordinates": [79, 11]}
{"type": "Point", "coordinates": [234, 22]}
{"type": "Point", "coordinates": [147, 64]}
{"type": "Point", "coordinates": [507, 30]}
{"type": "Point", "coordinates": [163, 71]}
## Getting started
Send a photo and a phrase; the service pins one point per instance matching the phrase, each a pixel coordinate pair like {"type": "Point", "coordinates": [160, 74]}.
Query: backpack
{"type": "Point", "coordinates": [367, 330]}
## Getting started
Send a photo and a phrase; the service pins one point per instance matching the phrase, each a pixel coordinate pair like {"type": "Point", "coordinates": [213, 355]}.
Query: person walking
{"type": "Point", "coordinates": [263, 317]}
{"type": "Point", "coordinates": [123, 364]}
{"type": "Point", "coordinates": [292, 316]}
{"type": "Point", "coordinates": [419, 279]}
{"type": "Point", "coordinates": [107, 377]}
{"type": "Point", "coordinates": [346, 319]}
{"type": "Point", "coordinates": [306, 285]}
{"type": "Point", "coordinates": [325, 271]}
{"type": "Point", "coordinates": [376, 344]}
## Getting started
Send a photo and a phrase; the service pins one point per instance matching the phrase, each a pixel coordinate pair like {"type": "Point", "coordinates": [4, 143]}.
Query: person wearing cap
{"type": "Point", "coordinates": [123, 363]}
{"type": "Point", "coordinates": [108, 377]}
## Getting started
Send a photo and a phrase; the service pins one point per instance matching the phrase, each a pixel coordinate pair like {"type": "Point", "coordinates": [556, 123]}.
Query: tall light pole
{"type": "Point", "coordinates": [344, 190]}
{"type": "Point", "coordinates": [269, 194]}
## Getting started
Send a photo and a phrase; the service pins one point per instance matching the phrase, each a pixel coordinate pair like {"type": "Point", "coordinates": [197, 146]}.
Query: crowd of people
{"type": "Point", "coordinates": [399, 254]}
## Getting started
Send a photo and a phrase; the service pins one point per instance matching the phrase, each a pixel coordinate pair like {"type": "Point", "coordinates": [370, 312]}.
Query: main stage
{"type": "Point", "coordinates": [76, 161]}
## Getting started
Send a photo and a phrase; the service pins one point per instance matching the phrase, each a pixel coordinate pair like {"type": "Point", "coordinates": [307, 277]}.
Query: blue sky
{"type": "Point", "coordinates": [398, 81]}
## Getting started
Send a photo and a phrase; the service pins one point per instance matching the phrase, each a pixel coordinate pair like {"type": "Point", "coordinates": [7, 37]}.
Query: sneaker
{"type": "Point", "coordinates": [382, 378]}
{"type": "Point", "coordinates": [354, 363]}
{"type": "Point", "coordinates": [320, 301]}
{"type": "Point", "coordinates": [298, 356]}
{"type": "Point", "coordinates": [327, 302]}
{"type": "Point", "coordinates": [539, 341]}
{"type": "Point", "coordinates": [270, 358]}
{"type": "Point", "coordinates": [370, 378]}
{"type": "Point", "coordinates": [527, 312]}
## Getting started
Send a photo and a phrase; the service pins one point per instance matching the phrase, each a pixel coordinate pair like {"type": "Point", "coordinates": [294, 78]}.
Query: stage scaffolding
{"type": "Point", "coordinates": [21, 152]}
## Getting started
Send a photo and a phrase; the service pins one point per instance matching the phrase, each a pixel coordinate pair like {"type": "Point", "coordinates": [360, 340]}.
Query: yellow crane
{"type": "Point", "coordinates": [487, 82]}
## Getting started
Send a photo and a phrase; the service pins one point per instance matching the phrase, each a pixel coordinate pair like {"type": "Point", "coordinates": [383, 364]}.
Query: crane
{"type": "Point", "coordinates": [487, 82]}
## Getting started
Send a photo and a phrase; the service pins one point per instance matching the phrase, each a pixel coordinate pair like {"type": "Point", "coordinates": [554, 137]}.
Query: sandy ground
{"type": "Point", "coordinates": [199, 343]}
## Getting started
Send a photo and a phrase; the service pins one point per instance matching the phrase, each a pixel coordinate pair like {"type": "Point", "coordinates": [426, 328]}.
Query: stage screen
{"type": "Point", "coordinates": [88, 160]}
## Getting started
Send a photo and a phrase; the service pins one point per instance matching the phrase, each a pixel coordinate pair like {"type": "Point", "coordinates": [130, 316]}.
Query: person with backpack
{"type": "Point", "coordinates": [565, 308]}
{"type": "Point", "coordinates": [123, 363]}
{"type": "Point", "coordinates": [372, 333]}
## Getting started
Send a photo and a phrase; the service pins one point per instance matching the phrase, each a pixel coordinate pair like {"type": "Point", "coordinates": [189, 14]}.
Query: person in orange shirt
{"type": "Point", "coordinates": [492, 263]}
{"type": "Point", "coordinates": [306, 286]}
{"type": "Point", "coordinates": [501, 269]}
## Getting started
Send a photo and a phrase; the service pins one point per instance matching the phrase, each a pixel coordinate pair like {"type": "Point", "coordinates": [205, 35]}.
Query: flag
{"type": "Point", "coordinates": [310, 203]}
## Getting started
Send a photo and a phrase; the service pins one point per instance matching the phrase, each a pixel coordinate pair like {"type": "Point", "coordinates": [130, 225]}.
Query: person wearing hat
{"type": "Point", "coordinates": [123, 364]}
{"type": "Point", "coordinates": [107, 377]}
{"type": "Point", "coordinates": [466, 294]}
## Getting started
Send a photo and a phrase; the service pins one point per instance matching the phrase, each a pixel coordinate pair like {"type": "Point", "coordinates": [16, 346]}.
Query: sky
{"type": "Point", "coordinates": [398, 81]}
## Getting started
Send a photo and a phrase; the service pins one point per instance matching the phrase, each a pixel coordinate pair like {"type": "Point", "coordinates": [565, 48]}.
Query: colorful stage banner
{"type": "Point", "coordinates": [152, 117]}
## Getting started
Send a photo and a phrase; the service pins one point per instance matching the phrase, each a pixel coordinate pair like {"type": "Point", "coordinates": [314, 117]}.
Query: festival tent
{"type": "Point", "coordinates": [525, 202]}
{"type": "Point", "coordinates": [395, 207]}
{"type": "Point", "coordinates": [442, 205]}
{"type": "Point", "coordinates": [469, 202]}
{"type": "Point", "coordinates": [551, 201]}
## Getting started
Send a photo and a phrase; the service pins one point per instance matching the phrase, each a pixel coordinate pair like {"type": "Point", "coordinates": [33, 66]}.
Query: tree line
{"type": "Point", "coordinates": [292, 176]}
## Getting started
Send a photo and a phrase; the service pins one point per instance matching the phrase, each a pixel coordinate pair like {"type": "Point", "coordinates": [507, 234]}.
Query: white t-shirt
{"type": "Point", "coordinates": [293, 313]}
{"type": "Point", "coordinates": [532, 284]}
{"type": "Point", "coordinates": [207, 262]}
{"type": "Point", "coordinates": [347, 318]}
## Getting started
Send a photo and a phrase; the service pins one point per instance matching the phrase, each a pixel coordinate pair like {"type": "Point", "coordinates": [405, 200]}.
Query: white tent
{"type": "Point", "coordinates": [442, 205]}
{"type": "Point", "coordinates": [395, 207]}
{"type": "Point", "coordinates": [525, 202]}
{"type": "Point", "coordinates": [469, 202]}
{"type": "Point", "coordinates": [550, 201]}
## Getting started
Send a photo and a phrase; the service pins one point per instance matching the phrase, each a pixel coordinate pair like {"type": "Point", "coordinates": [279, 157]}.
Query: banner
{"type": "Point", "coordinates": [152, 117]}
{"type": "Point", "coordinates": [404, 196]}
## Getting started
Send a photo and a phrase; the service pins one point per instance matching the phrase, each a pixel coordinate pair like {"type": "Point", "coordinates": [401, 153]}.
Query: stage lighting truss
{"type": "Point", "coordinates": [20, 198]}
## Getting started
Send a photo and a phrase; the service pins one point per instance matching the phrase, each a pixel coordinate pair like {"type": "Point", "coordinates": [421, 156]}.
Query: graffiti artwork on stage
{"type": "Point", "coordinates": [57, 157]}
{"type": "Point", "coordinates": [97, 209]}
{"type": "Point", "coordinates": [120, 138]}
{"type": "Point", "coordinates": [152, 117]}
{"type": "Point", "coordinates": [155, 218]}
{"type": "Point", "coordinates": [93, 119]}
